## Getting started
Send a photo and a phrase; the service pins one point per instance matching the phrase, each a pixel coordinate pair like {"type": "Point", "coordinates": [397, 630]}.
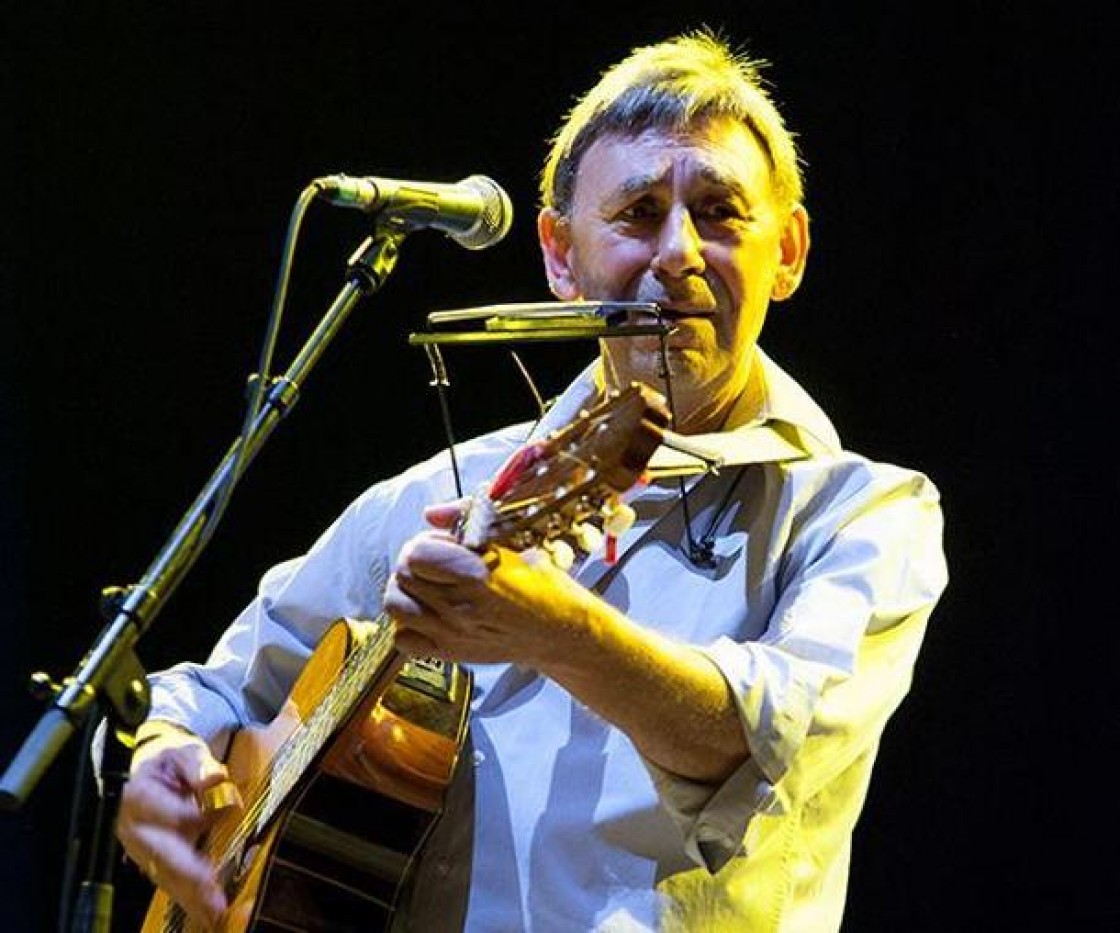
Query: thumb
{"type": "Point", "coordinates": [195, 769]}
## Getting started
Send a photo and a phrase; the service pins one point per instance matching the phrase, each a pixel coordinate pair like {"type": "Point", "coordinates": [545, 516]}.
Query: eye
{"type": "Point", "coordinates": [642, 211]}
{"type": "Point", "coordinates": [720, 210]}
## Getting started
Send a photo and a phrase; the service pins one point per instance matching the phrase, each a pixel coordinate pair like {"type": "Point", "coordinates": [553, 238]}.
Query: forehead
{"type": "Point", "coordinates": [722, 152]}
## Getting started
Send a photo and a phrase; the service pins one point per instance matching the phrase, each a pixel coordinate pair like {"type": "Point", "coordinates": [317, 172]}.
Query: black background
{"type": "Point", "coordinates": [953, 318]}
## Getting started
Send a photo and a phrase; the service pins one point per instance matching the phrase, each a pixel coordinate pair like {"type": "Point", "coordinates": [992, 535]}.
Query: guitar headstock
{"type": "Point", "coordinates": [566, 484]}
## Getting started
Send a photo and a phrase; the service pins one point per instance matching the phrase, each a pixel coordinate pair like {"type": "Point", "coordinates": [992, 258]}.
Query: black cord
{"type": "Point", "coordinates": [441, 383]}
{"type": "Point", "coordinates": [702, 552]}
{"type": "Point", "coordinates": [258, 384]}
{"type": "Point", "coordinates": [696, 552]}
{"type": "Point", "coordinates": [74, 830]}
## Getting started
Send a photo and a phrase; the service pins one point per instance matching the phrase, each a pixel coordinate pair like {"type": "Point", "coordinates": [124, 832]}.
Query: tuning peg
{"type": "Point", "coordinates": [618, 519]}
{"type": "Point", "coordinates": [560, 552]}
{"type": "Point", "coordinates": [42, 687]}
{"type": "Point", "coordinates": [587, 537]}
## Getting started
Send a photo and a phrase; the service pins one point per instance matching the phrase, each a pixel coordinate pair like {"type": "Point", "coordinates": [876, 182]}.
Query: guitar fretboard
{"type": "Point", "coordinates": [294, 757]}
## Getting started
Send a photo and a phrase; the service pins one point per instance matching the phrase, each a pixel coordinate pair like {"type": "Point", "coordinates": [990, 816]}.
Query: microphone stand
{"type": "Point", "coordinates": [110, 676]}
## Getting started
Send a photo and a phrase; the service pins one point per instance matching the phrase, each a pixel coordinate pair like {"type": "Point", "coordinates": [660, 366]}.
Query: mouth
{"type": "Point", "coordinates": [689, 329]}
{"type": "Point", "coordinates": [670, 315]}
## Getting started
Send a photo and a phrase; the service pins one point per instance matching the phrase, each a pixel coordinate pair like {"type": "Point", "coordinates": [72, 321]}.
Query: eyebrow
{"type": "Point", "coordinates": [635, 185]}
{"type": "Point", "coordinates": [640, 184]}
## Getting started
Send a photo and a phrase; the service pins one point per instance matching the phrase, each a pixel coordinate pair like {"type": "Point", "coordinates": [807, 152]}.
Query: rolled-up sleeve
{"type": "Point", "coordinates": [857, 583]}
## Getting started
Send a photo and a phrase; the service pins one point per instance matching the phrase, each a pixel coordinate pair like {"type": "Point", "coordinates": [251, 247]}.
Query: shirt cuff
{"type": "Point", "coordinates": [713, 818]}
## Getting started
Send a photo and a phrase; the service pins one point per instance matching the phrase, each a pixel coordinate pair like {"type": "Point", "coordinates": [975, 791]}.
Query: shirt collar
{"type": "Point", "coordinates": [777, 421]}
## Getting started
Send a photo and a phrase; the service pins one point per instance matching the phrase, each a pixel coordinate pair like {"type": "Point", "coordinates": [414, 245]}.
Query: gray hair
{"type": "Point", "coordinates": [673, 85]}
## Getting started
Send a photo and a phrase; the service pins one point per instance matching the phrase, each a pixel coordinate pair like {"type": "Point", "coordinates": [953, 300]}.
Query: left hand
{"type": "Point", "coordinates": [451, 602]}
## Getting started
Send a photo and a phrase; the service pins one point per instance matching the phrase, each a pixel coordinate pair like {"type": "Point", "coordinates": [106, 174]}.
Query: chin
{"type": "Point", "coordinates": [688, 364]}
{"type": "Point", "coordinates": [689, 367]}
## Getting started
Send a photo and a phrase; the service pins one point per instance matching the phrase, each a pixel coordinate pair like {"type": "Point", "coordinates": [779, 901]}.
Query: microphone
{"type": "Point", "coordinates": [475, 212]}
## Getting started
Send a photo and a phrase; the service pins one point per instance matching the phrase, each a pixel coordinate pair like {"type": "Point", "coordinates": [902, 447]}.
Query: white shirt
{"type": "Point", "coordinates": [827, 568]}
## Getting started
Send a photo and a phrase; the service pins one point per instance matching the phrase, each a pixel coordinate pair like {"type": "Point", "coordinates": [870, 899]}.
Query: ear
{"type": "Point", "coordinates": [554, 235]}
{"type": "Point", "coordinates": [793, 251]}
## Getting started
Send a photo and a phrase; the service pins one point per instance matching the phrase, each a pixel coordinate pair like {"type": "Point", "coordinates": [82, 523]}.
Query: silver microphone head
{"type": "Point", "coordinates": [495, 218]}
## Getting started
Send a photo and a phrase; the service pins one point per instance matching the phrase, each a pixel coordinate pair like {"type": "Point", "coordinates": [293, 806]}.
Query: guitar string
{"type": "Point", "coordinates": [306, 739]}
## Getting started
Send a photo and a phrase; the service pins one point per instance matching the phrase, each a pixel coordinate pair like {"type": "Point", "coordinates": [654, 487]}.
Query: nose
{"type": "Point", "coordinates": [679, 246]}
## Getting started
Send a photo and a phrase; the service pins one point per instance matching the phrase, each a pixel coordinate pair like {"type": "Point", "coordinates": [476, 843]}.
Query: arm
{"type": "Point", "coordinates": [197, 707]}
{"type": "Point", "coordinates": [670, 698]}
{"type": "Point", "coordinates": [852, 568]}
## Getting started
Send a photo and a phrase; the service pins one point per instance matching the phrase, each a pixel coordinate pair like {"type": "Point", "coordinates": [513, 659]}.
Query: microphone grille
{"type": "Point", "coordinates": [495, 219]}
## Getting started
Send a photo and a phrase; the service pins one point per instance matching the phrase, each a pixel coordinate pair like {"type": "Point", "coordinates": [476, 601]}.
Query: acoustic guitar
{"type": "Point", "coordinates": [343, 786]}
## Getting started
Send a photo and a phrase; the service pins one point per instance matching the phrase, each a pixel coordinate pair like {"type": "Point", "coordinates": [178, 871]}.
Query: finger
{"type": "Point", "coordinates": [219, 798]}
{"type": "Point", "coordinates": [150, 799]}
{"type": "Point", "coordinates": [440, 603]}
{"type": "Point", "coordinates": [212, 786]}
{"type": "Point", "coordinates": [401, 603]}
{"type": "Point", "coordinates": [183, 873]}
{"type": "Point", "coordinates": [161, 818]}
{"type": "Point", "coordinates": [418, 630]}
{"type": "Point", "coordinates": [417, 645]}
{"type": "Point", "coordinates": [162, 842]}
{"type": "Point", "coordinates": [442, 560]}
{"type": "Point", "coordinates": [207, 779]}
{"type": "Point", "coordinates": [446, 514]}
{"type": "Point", "coordinates": [196, 768]}
{"type": "Point", "coordinates": [417, 602]}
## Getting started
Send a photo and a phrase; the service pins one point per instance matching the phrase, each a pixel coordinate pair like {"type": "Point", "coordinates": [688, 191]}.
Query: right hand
{"type": "Point", "coordinates": [161, 818]}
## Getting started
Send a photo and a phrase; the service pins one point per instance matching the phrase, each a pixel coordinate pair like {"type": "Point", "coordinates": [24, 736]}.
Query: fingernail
{"type": "Point", "coordinates": [217, 908]}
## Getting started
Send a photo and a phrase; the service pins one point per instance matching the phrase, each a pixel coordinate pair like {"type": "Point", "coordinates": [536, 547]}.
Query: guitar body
{"type": "Point", "coordinates": [335, 853]}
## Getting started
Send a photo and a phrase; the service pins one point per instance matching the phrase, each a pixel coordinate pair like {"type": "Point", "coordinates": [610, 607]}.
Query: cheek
{"type": "Point", "coordinates": [609, 260]}
{"type": "Point", "coordinates": [739, 333]}
{"type": "Point", "coordinates": [747, 298]}
{"type": "Point", "coordinates": [736, 332]}
{"type": "Point", "coordinates": [748, 278]}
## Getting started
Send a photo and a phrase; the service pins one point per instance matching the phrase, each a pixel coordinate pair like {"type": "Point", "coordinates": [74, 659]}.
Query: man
{"type": "Point", "coordinates": [680, 738]}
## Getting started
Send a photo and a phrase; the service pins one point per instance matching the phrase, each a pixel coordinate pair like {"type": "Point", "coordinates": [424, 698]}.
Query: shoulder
{"type": "Point", "coordinates": [850, 478]}
{"type": "Point", "coordinates": [869, 513]}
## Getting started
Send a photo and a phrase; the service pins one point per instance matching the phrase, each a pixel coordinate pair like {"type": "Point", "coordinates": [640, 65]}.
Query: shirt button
{"type": "Point", "coordinates": [477, 758]}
